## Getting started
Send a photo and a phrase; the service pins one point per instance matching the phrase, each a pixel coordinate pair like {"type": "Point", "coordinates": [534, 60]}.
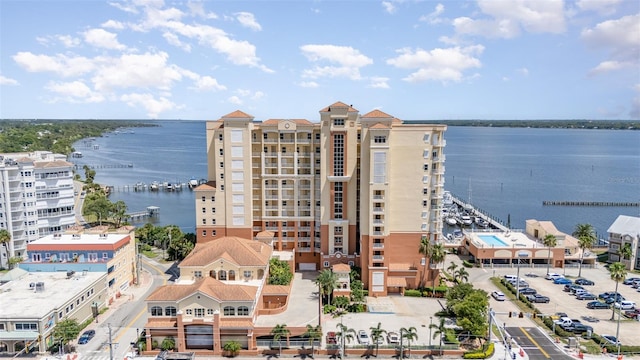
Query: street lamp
{"type": "Point", "coordinates": [430, 329]}
{"type": "Point", "coordinates": [520, 254]}
{"type": "Point", "coordinates": [164, 248]}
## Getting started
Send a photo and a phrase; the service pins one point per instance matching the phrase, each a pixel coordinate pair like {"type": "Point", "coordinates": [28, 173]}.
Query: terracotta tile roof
{"type": "Point", "coordinates": [376, 114]}
{"type": "Point", "coordinates": [275, 289]}
{"type": "Point", "coordinates": [265, 233]}
{"type": "Point", "coordinates": [207, 286]}
{"type": "Point", "coordinates": [237, 114]}
{"type": "Point", "coordinates": [240, 251]}
{"type": "Point", "coordinates": [341, 268]}
{"type": "Point", "coordinates": [236, 323]}
{"type": "Point", "coordinates": [209, 185]}
{"type": "Point", "coordinates": [396, 121]}
{"type": "Point", "coordinates": [379, 126]}
{"type": "Point", "coordinates": [51, 164]}
{"type": "Point", "coordinates": [272, 122]}
{"type": "Point", "coordinates": [339, 104]}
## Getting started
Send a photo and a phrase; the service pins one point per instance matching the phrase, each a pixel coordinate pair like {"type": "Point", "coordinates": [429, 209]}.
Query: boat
{"type": "Point", "coordinates": [76, 154]}
{"type": "Point", "coordinates": [154, 186]}
{"type": "Point", "coordinates": [466, 220]}
{"type": "Point", "coordinates": [168, 186]}
{"type": "Point", "coordinates": [481, 222]}
{"type": "Point", "coordinates": [193, 182]}
{"type": "Point", "coordinates": [447, 199]}
{"type": "Point", "coordinates": [458, 234]}
{"type": "Point", "coordinates": [451, 220]}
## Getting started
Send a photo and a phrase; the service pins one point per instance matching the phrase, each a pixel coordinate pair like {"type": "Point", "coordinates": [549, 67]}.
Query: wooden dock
{"type": "Point", "coordinates": [591, 203]}
{"type": "Point", "coordinates": [139, 215]}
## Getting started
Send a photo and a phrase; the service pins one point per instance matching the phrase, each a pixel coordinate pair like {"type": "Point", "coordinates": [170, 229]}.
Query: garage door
{"type": "Point", "coordinates": [199, 337]}
{"type": "Point", "coordinates": [307, 266]}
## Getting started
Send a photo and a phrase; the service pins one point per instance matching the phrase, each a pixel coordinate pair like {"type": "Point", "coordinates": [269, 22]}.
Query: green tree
{"type": "Point", "coordinates": [471, 313]}
{"type": "Point", "coordinates": [461, 275]}
{"type": "Point", "coordinates": [452, 268]}
{"type": "Point", "coordinates": [377, 334]}
{"type": "Point", "coordinates": [15, 260]}
{"type": "Point", "coordinates": [625, 253]}
{"type": "Point", "coordinates": [169, 343]}
{"type": "Point", "coordinates": [410, 334]}
{"type": "Point", "coordinates": [586, 236]}
{"type": "Point", "coordinates": [66, 330]}
{"type": "Point", "coordinates": [549, 241]}
{"type": "Point", "coordinates": [5, 240]}
{"type": "Point", "coordinates": [617, 272]}
{"type": "Point", "coordinates": [341, 302]}
{"type": "Point", "coordinates": [118, 212]}
{"type": "Point", "coordinates": [357, 291]}
{"type": "Point", "coordinates": [279, 272]}
{"type": "Point", "coordinates": [232, 347]}
{"type": "Point", "coordinates": [99, 206]}
{"type": "Point", "coordinates": [440, 330]}
{"type": "Point", "coordinates": [425, 249]}
{"type": "Point", "coordinates": [438, 255]}
{"type": "Point", "coordinates": [456, 294]}
{"type": "Point", "coordinates": [345, 334]}
{"type": "Point", "coordinates": [313, 333]}
{"type": "Point", "coordinates": [327, 281]}
{"type": "Point", "coordinates": [279, 331]}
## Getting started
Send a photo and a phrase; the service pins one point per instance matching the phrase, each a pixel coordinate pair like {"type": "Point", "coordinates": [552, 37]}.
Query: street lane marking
{"type": "Point", "coordinates": [535, 343]}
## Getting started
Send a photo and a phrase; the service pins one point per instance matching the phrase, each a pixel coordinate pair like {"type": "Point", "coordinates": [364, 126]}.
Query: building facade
{"type": "Point", "coordinates": [625, 231]}
{"type": "Point", "coordinates": [355, 189]}
{"type": "Point", "coordinates": [36, 198]}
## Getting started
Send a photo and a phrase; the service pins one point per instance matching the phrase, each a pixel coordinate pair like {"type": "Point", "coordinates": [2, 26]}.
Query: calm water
{"type": "Point", "coordinates": [506, 172]}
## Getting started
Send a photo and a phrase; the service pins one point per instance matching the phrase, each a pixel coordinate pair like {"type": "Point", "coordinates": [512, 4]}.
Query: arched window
{"type": "Point", "coordinates": [260, 274]}
{"type": "Point", "coordinates": [212, 273]}
{"type": "Point", "coordinates": [156, 311]}
{"type": "Point", "coordinates": [3, 347]}
{"type": "Point", "coordinates": [17, 347]}
{"type": "Point", "coordinates": [232, 275]}
{"type": "Point", "coordinates": [170, 311]}
{"type": "Point", "coordinates": [229, 311]}
{"type": "Point", "coordinates": [222, 275]}
{"type": "Point", "coordinates": [243, 311]}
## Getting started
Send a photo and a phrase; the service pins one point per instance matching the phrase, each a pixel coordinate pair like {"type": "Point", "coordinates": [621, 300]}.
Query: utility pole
{"type": "Point", "coordinates": [110, 343]}
{"type": "Point", "coordinates": [137, 263]}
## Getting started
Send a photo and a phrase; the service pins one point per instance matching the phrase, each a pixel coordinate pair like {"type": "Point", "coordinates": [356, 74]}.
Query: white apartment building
{"type": "Point", "coordinates": [353, 189]}
{"type": "Point", "coordinates": [36, 198]}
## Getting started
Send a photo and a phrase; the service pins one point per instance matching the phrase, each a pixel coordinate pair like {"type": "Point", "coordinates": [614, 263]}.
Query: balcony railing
{"type": "Point", "coordinates": [378, 245]}
{"type": "Point", "coordinates": [378, 257]}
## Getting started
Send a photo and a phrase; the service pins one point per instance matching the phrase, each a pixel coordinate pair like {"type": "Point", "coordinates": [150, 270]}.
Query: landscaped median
{"type": "Point", "coordinates": [485, 353]}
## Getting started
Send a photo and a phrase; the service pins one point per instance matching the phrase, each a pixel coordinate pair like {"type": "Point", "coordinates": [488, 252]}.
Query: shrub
{"type": "Point", "coordinates": [357, 308]}
{"type": "Point", "coordinates": [232, 348]}
{"type": "Point", "coordinates": [413, 293]}
{"type": "Point", "coordinates": [480, 354]}
{"type": "Point", "coordinates": [467, 264]}
{"type": "Point", "coordinates": [328, 309]}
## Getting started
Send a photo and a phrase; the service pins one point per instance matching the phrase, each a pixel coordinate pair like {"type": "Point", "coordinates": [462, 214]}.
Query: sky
{"type": "Point", "coordinates": [413, 59]}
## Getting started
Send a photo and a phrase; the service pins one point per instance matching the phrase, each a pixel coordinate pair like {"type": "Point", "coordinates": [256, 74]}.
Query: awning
{"type": "Point", "coordinates": [396, 282]}
{"type": "Point", "coordinates": [18, 335]}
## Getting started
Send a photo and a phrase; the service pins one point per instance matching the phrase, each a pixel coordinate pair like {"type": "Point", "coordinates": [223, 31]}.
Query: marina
{"type": "Point", "coordinates": [156, 186]}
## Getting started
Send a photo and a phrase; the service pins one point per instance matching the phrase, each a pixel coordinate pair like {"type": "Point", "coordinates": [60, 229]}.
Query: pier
{"type": "Point", "coordinates": [494, 222]}
{"type": "Point", "coordinates": [151, 211]}
{"type": "Point", "coordinates": [103, 166]}
{"type": "Point", "coordinates": [590, 203]}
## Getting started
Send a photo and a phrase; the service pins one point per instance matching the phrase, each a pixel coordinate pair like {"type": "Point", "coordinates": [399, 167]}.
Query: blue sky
{"type": "Point", "coordinates": [484, 59]}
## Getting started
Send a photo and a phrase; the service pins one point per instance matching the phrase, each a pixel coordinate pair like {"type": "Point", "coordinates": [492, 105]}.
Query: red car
{"type": "Point", "coordinates": [633, 314]}
{"type": "Point", "coordinates": [331, 338]}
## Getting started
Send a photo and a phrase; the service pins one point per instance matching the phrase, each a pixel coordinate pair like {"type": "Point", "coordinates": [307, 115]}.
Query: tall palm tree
{"type": "Point", "coordinates": [625, 252]}
{"type": "Point", "coordinates": [461, 275]}
{"type": "Point", "coordinates": [440, 330]}
{"type": "Point", "coordinates": [617, 272]}
{"type": "Point", "coordinates": [549, 241]}
{"type": "Point", "coordinates": [313, 333]}
{"type": "Point", "coordinates": [438, 254]}
{"type": "Point", "coordinates": [344, 333]}
{"type": "Point", "coordinates": [586, 237]}
{"type": "Point", "coordinates": [452, 268]}
{"type": "Point", "coordinates": [5, 240]}
{"type": "Point", "coordinates": [377, 333]}
{"type": "Point", "coordinates": [279, 331]}
{"type": "Point", "coordinates": [409, 334]}
{"type": "Point", "coordinates": [425, 249]}
{"type": "Point", "coordinates": [327, 281]}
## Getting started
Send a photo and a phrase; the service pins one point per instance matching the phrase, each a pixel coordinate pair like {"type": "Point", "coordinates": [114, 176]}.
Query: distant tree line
{"type": "Point", "coordinates": [56, 136]}
{"type": "Point", "coordinates": [547, 124]}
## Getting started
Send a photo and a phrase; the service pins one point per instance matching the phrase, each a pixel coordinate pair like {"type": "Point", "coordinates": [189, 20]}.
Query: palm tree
{"type": "Point", "coordinates": [425, 249]}
{"type": "Point", "coordinates": [409, 334]}
{"type": "Point", "coordinates": [618, 272]}
{"type": "Point", "coordinates": [327, 281]}
{"type": "Point", "coordinates": [586, 237]}
{"type": "Point", "coordinates": [452, 268]}
{"type": "Point", "coordinates": [313, 333]}
{"type": "Point", "coordinates": [440, 330]}
{"type": "Point", "coordinates": [438, 254]}
{"type": "Point", "coordinates": [5, 240]}
{"type": "Point", "coordinates": [344, 333]}
{"type": "Point", "coordinates": [377, 333]}
{"type": "Point", "coordinates": [461, 275]}
{"type": "Point", "coordinates": [549, 241]}
{"type": "Point", "coordinates": [279, 331]}
{"type": "Point", "coordinates": [626, 252]}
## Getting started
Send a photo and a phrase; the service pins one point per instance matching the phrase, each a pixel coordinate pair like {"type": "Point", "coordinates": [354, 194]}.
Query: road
{"type": "Point", "coordinates": [125, 322]}
{"type": "Point", "coordinates": [536, 344]}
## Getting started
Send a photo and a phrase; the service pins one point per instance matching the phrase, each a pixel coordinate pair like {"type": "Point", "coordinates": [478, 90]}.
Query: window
{"type": "Point", "coordinates": [318, 136]}
{"type": "Point", "coordinates": [338, 122]}
{"type": "Point", "coordinates": [213, 222]}
{"type": "Point", "coordinates": [425, 167]}
{"type": "Point", "coordinates": [243, 311]}
{"type": "Point", "coordinates": [213, 210]}
{"type": "Point", "coordinates": [221, 187]}
{"type": "Point", "coordinates": [425, 179]}
{"type": "Point", "coordinates": [221, 176]}
{"type": "Point", "coordinates": [221, 164]}
{"type": "Point", "coordinates": [204, 232]}
{"type": "Point", "coordinates": [338, 154]}
{"type": "Point", "coordinates": [197, 274]}
{"type": "Point", "coordinates": [221, 152]}
{"type": "Point", "coordinates": [26, 327]}
{"type": "Point", "coordinates": [210, 311]}
{"type": "Point", "coordinates": [380, 139]}
{"type": "Point", "coordinates": [204, 221]}
{"type": "Point", "coordinates": [229, 311]}
{"type": "Point", "coordinates": [309, 136]}
{"type": "Point", "coordinates": [203, 198]}
{"type": "Point", "coordinates": [237, 151]}
{"type": "Point", "coordinates": [213, 199]}
{"type": "Point", "coordinates": [213, 232]}
{"type": "Point", "coordinates": [170, 311]}
{"type": "Point", "coordinates": [35, 257]}
{"type": "Point", "coordinates": [424, 203]}
{"type": "Point", "coordinates": [199, 312]}
{"type": "Point", "coordinates": [237, 176]}
{"type": "Point", "coordinates": [326, 264]}
{"type": "Point", "coordinates": [264, 136]}
{"type": "Point", "coordinates": [156, 311]}
{"type": "Point", "coordinates": [204, 210]}
{"type": "Point", "coordinates": [236, 135]}
{"type": "Point", "coordinates": [247, 274]}
{"type": "Point", "coordinates": [425, 138]}
{"type": "Point", "coordinates": [220, 136]}
{"type": "Point", "coordinates": [379, 167]}
{"type": "Point", "coordinates": [189, 312]}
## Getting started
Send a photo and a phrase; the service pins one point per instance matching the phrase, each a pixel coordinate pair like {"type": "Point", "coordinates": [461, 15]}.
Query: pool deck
{"type": "Point", "coordinates": [512, 239]}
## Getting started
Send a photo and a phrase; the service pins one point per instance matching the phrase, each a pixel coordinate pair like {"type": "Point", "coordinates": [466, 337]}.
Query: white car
{"type": "Point", "coordinates": [393, 338]}
{"type": "Point", "coordinates": [363, 338]}
{"type": "Point", "coordinates": [625, 305]}
{"type": "Point", "coordinates": [553, 276]}
{"type": "Point", "coordinates": [498, 295]}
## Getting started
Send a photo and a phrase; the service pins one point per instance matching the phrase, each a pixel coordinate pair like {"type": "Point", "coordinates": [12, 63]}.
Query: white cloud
{"type": "Point", "coordinates": [621, 37]}
{"type": "Point", "coordinates": [208, 83]}
{"type": "Point", "coordinates": [508, 18]}
{"type": "Point", "coordinates": [505, 78]}
{"type": "Point", "coordinates": [442, 65]}
{"type": "Point", "coordinates": [235, 100]}
{"type": "Point", "coordinates": [148, 70]}
{"type": "Point", "coordinates": [247, 19]}
{"type": "Point", "coordinates": [604, 7]}
{"type": "Point", "coordinates": [174, 40]}
{"type": "Point", "coordinates": [74, 92]}
{"type": "Point", "coordinates": [113, 24]}
{"type": "Point", "coordinates": [67, 41]}
{"type": "Point", "coordinates": [348, 59]}
{"type": "Point", "coordinates": [523, 71]}
{"type": "Point", "coordinates": [434, 16]}
{"type": "Point", "coordinates": [122, 5]}
{"type": "Point", "coordinates": [59, 64]}
{"type": "Point", "coordinates": [103, 39]}
{"type": "Point", "coordinates": [308, 84]}
{"type": "Point", "coordinates": [258, 95]}
{"type": "Point", "coordinates": [7, 81]}
{"type": "Point", "coordinates": [197, 8]}
{"type": "Point", "coordinates": [389, 6]}
{"type": "Point", "coordinates": [377, 82]}
{"type": "Point", "coordinates": [152, 105]}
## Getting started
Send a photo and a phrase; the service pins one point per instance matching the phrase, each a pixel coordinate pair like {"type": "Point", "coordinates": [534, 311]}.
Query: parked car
{"type": "Point", "coordinates": [630, 280]}
{"type": "Point", "coordinates": [611, 339]}
{"type": "Point", "coordinates": [498, 295]}
{"type": "Point", "coordinates": [586, 296]}
{"type": "Point", "coordinates": [528, 291]}
{"type": "Point", "coordinates": [86, 336]}
{"type": "Point", "coordinates": [570, 287]}
{"type": "Point", "coordinates": [393, 338]}
{"type": "Point", "coordinates": [579, 328]}
{"type": "Point", "coordinates": [553, 276]}
{"type": "Point", "coordinates": [624, 305]}
{"type": "Point", "coordinates": [559, 315]}
{"type": "Point", "coordinates": [607, 294]}
{"type": "Point", "coordinates": [363, 338]}
{"type": "Point", "coordinates": [562, 281]}
{"type": "Point", "coordinates": [537, 298]}
{"type": "Point", "coordinates": [614, 299]}
{"type": "Point", "coordinates": [632, 314]}
{"type": "Point", "coordinates": [577, 292]}
{"type": "Point", "coordinates": [598, 305]}
{"type": "Point", "coordinates": [576, 288]}
{"type": "Point", "coordinates": [584, 282]}
{"type": "Point", "coordinates": [331, 338]}
{"type": "Point", "coordinates": [564, 322]}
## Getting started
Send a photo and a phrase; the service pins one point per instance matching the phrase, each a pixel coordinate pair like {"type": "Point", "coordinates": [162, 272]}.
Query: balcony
{"type": "Point", "coordinates": [378, 233]}
{"type": "Point", "coordinates": [378, 245]}
{"type": "Point", "coordinates": [378, 210]}
{"type": "Point", "coordinates": [439, 159]}
{"type": "Point", "coordinates": [378, 221]}
{"type": "Point", "coordinates": [303, 249]}
{"type": "Point", "coordinates": [378, 258]}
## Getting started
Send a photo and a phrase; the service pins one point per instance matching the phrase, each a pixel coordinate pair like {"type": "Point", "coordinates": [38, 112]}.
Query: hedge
{"type": "Point", "coordinates": [413, 293]}
{"type": "Point", "coordinates": [479, 354]}
{"type": "Point", "coordinates": [613, 349]}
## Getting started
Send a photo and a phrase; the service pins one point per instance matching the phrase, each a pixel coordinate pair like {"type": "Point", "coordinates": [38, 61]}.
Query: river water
{"type": "Point", "coordinates": [507, 172]}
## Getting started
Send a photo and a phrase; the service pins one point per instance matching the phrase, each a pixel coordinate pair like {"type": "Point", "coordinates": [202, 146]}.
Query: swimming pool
{"type": "Point", "coordinates": [492, 240]}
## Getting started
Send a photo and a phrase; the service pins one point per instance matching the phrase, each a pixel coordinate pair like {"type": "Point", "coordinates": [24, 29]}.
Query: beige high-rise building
{"type": "Point", "coordinates": [354, 189]}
